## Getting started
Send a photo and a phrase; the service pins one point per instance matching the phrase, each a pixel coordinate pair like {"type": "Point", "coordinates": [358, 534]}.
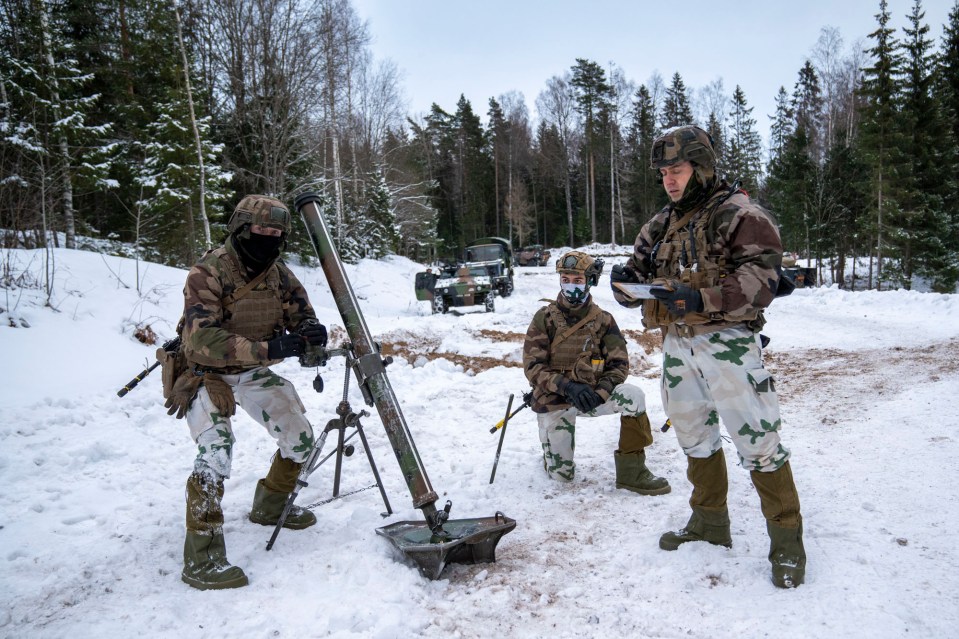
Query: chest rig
{"type": "Point", "coordinates": [689, 254]}
{"type": "Point", "coordinates": [252, 309]}
{"type": "Point", "coordinates": [576, 351]}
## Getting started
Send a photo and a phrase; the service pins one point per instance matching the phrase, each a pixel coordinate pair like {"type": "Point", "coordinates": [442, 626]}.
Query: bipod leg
{"type": "Point", "coordinates": [502, 436]}
{"type": "Point", "coordinates": [308, 467]}
{"type": "Point", "coordinates": [340, 447]}
{"type": "Point", "coordinates": [376, 473]}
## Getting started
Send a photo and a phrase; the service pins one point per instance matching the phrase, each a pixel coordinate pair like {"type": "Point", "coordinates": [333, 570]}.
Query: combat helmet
{"type": "Point", "coordinates": [684, 143]}
{"type": "Point", "coordinates": [579, 263]}
{"type": "Point", "coordinates": [262, 211]}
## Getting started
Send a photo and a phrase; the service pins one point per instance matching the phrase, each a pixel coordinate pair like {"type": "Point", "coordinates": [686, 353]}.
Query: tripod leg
{"type": "Point", "coordinates": [339, 458]}
{"type": "Point", "coordinates": [376, 474]}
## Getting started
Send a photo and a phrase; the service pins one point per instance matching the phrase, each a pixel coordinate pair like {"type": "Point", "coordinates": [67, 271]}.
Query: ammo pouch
{"type": "Point", "coordinates": [586, 369]}
{"type": "Point", "coordinates": [173, 365]}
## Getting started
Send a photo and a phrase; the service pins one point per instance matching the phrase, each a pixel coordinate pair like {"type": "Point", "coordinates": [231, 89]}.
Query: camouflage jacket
{"type": "Point", "coordinates": [728, 248]}
{"type": "Point", "coordinates": [231, 337]}
{"type": "Point", "coordinates": [598, 350]}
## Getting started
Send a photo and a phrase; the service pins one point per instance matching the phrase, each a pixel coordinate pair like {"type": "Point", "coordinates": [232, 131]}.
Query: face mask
{"type": "Point", "coordinates": [259, 249]}
{"type": "Point", "coordinates": [574, 293]}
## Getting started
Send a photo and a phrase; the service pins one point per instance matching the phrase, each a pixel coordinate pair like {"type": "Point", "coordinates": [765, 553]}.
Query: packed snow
{"type": "Point", "coordinates": [92, 506]}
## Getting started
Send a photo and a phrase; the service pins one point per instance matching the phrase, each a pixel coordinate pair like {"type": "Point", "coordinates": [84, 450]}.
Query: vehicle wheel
{"type": "Point", "coordinates": [439, 306]}
{"type": "Point", "coordinates": [490, 302]}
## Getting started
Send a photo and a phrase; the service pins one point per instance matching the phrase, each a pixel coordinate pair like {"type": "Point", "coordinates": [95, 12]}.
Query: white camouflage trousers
{"type": "Point", "coordinates": [717, 376]}
{"type": "Point", "coordinates": [270, 400]}
{"type": "Point", "coordinates": [557, 429]}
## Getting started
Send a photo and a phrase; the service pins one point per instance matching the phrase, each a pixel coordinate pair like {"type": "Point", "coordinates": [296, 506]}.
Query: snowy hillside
{"type": "Point", "coordinates": [91, 511]}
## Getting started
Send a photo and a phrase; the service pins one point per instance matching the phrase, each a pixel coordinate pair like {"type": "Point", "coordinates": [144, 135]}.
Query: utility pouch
{"type": "Point", "coordinates": [173, 365]}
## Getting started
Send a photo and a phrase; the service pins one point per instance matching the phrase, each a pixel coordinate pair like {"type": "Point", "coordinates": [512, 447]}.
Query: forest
{"type": "Point", "coordinates": [143, 122]}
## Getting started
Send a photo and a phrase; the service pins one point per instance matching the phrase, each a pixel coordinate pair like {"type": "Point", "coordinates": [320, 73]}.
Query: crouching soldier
{"type": "Point", "coordinates": [576, 361]}
{"type": "Point", "coordinates": [243, 311]}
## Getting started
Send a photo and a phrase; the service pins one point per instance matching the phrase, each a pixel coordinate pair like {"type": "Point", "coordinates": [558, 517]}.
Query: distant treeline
{"type": "Point", "coordinates": [145, 121]}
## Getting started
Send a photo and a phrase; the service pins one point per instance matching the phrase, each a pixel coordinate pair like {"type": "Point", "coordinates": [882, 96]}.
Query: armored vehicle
{"type": "Point", "coordinates": [466, 285]}
{"type": "Point", "coordinates": [495, 254]}
{"type": "Point", "coordinates": [533, 255]}
{"type": "Point", "coordinates": [800, 276]}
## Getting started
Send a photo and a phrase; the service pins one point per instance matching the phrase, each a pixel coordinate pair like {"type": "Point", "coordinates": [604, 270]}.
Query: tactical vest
{"type": "Point", "coordinates": [688, 253]}
{"type": "Point", "coordinates": [257, 314]}
{"type": "Point", "coordinates": [577, 354]}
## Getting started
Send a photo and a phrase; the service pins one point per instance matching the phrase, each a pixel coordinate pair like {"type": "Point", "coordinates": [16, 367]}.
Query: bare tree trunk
{"type": "Point", "coordinates": [592, 198]}
{"type": "Point", "coordinates": [69, 223]}
{"type": "Point", "coordinates": [612, 191]}
{"type": "Point", "coordinates": [208, 243]}
{"type": "Point", "coordinates": [569, 205]}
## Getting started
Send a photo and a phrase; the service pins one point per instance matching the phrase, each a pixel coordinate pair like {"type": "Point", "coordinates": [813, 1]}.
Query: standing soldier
{"type": "Point", "coordinates": [713, 258]}
{"type": "Point", "coordinates": [243, 311]}
{"type": "Point", "coordinates": [575, 359]}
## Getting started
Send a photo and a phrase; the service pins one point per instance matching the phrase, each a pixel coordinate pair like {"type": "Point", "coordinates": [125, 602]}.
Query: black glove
{"type": "Point", "coordinates": [313, 332]}
{"type": "Point", "coordinates": [620, 273]}
{"type": "Point", "coordinates": [679, 299]}
{"type": "Point", "coordinates": [284, 346]}
{"type": "Point", "coordinates": [582, 397]}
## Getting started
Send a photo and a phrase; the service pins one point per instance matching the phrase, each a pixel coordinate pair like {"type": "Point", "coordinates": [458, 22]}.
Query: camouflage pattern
{"type": "Point", "coordinates": [738, 254]}
{"type": "Point", "coordinates": [262, 211]}
{"type": "Point", "coordinates": [270, 400]}
{"type": "Point", "coordinates": [603, 361]}
{"type": "Point", "coordinates": [230, 338]}
{"type": "Point", "coordinates": [716, 376]}
{"type": "Point", "coordinates": [557, 428]}
{"type": "Point", "coordinates": [683, 144]}
{"type": "Point", "coordinates": [467, 286]}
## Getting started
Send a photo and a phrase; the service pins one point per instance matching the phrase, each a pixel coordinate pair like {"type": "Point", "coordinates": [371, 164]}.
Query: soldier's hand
{"type": "Point", "coordinates": [620, 273]}
{"type": "Point", "coordinates": [679, 299]}
{"type": "Point", "coordinates": [221, 394]}
{"type": "Point", "coordinates": [313, 332]}
{"type": "Point", "coordinates": [284, 346]}
{"type": "Point", "coordinates": [184, 390]}
{"type": "Point", "coordinates": [582, 397]}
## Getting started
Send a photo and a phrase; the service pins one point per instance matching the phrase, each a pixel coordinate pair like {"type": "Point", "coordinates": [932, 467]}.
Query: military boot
{"type": "Point", "coordinates": [205, 565]}
{"type": "Point", "coordinates": [632, 474]}
{"type": "Point", "coordinates": [635, 435]}
{"type": "Point", "coordinates": [703, 525]}
{"type": "Point", "coordinates": [272, 493]}
{"type": "Point", "coordinates": [710, 519]}
{"type": "Point", "coordinates": [780, 505]}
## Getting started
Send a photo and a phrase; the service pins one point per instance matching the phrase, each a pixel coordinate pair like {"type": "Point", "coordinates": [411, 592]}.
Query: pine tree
{"type": "Point", "coordinates": [676, 108]}
{"type": "Point", "coordinates": [931, 178]}
{"type": "Point", "coordinates": [378, 235]}
{"type": "Point", "coordinates": [881, 137]}
{"type": "Point", "coordinates": [807, 107]}
{"type": "Point", "coordinates": [645, 193]}
{"type": "Point", "coordinates": [744, 148]}
{"type": "Point", "coordinates": [593, 94]}
{"type": "Point", "coordinates": [782, 125]}
{"type": "Point", "coordinates": [714, 128]}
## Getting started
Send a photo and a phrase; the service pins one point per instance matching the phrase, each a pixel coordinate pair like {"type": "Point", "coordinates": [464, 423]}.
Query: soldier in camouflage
{"type": "Point", "coordinates": [243, 311]}
{"type": "Point", "coordinates": [713, 258]}
{"type": "Point", "coordinates": [576, 361]}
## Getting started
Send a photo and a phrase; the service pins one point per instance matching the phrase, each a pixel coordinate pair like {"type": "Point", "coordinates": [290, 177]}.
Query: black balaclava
{"type": "Point", "coordinates": [698, 188]}
{"type": "Point", "coordinates": [257, 251]}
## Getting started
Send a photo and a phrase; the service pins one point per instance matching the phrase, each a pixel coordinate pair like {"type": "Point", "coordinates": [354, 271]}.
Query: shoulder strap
{"type": "Point", "coordinates": [230, 300]}
{"type": "Point", "coordinates": [592, 314]}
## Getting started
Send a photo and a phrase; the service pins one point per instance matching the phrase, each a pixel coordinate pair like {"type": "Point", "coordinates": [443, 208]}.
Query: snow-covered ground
{"type": "Point", "coordinates": [91, 511]}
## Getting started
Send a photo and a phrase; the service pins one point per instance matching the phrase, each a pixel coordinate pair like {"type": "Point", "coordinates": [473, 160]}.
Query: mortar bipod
{"type": "Point", "coordinates": [346, 418]}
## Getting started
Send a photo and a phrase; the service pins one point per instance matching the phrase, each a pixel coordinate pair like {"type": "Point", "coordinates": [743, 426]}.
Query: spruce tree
{"type": "Point", "coordinates": [744, 148]}
{"type": "Point", "coordinates": [881, 138]}
{"type": "Point", "coordinates": [676, 108]}
{"type": "Point", "coordinates": [782, 125]}
{"type": "Point", "coordinates": [930, 180]}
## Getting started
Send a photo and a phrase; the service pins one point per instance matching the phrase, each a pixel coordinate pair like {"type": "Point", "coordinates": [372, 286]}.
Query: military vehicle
{"type": "Point", "coordinates": [465, 285]}
{"type": "Point", "coordinates": [800, 276]}
{"type": "Point", "coordinates": [533, 255]}
{"type": "Point", "coordinates": [496, 255]}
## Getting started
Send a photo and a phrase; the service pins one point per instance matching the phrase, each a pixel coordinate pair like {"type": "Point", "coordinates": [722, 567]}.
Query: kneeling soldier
{"type": "Point", "coordinates": [575, 359]}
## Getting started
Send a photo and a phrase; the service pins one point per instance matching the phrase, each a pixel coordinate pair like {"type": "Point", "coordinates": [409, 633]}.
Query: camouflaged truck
{"type": "Point", "coordinates": [495, 254]}
{"type": "Point", "coordinates": [533, 255]}
{"type": "Point", "coordinates": [466, 285]}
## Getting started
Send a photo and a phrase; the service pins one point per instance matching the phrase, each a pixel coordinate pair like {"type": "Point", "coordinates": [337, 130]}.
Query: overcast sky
{"type": "Point", "coordinates": [483, 49]}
